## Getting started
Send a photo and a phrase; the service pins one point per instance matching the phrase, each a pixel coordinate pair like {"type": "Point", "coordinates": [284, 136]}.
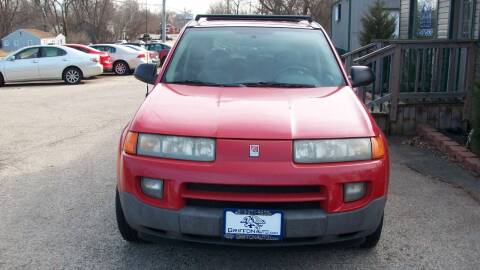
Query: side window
{"type": "Point", "coordinates": [110, 49]}
{"type": "Point", "coordinates": [81, 49]}
{"type": "Point", "coordinates": [52, 52]}
{"type": "Point", "coordinates": [28, 54]}
{"type": "Point", "coordinates": [100, 48]}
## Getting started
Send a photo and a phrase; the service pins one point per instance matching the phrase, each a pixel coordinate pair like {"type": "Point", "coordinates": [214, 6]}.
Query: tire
{"type": "Point", "coordinates": [72, 75]}
{"type": "Point", "coordinates": [372, 240]}
{"type": "Point", "coordinates": [2, 81]}
{"type": "Point", "coordinates": [128, 233]}
{"type": "Point", "coordinates": [121, 68]}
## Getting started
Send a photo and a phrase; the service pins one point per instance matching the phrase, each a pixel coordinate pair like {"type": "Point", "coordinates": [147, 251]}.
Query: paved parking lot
{"type": "Point", "coordinates": [57, 182]}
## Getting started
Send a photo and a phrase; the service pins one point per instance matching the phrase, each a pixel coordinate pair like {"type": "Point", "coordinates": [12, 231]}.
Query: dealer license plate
{"type": "Point", "coordinates": [250, 224]}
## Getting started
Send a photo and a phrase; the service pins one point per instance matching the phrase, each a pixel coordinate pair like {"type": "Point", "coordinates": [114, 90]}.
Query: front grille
{"type": "Point", "coordinates": [254, 205]}
{"type": "Point", "coordinates": [253, 189]}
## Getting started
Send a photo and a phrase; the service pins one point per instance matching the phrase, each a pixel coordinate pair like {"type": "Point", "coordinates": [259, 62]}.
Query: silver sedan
{"type": "Point", "coordinates": [39, 63]}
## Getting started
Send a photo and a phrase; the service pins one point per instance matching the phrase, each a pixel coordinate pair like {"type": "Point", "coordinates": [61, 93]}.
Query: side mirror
{"type": "Point", "coordinates": [146, 73]}
{"type": "Point", "coordinates": [361, 76]}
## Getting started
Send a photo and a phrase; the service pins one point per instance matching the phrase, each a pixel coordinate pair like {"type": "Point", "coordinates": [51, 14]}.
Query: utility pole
{"type": "Point", "coordinates": [164, 23]}
{"type": "Point", "coordinates": [146, 21]}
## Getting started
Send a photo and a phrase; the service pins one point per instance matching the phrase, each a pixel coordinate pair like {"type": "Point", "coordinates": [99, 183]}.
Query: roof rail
{"type": "Point", "coordinates": [290, 18]}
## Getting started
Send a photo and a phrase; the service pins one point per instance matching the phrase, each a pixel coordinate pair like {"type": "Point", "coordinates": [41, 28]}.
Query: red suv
{"type": "Point", "coordinates": [105, 60]}
{"type": "Point", "coordinates": [244, 141]}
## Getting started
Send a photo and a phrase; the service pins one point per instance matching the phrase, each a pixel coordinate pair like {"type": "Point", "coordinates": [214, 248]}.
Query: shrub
{"type": "Point", "coordinates": [475, 136]}
{"type": "Point", "coordinates": [377, 24]}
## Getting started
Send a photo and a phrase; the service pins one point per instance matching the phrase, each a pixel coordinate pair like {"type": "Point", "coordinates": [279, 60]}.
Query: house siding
{"type": "Point", "coordinates": [18, 39]}
{"type": "Point", "coordinates": [340, 28]}
{"type": "Point", "coordinates": [477, 21]}
{"type": "Point", "coordinates": [359, 9]}
{"type": "Point", "coordinates": [404, 19]}
{"type": "Point", "coordinates": [444, 9]}
{"type": "Point", "coordinates": [443, 18]}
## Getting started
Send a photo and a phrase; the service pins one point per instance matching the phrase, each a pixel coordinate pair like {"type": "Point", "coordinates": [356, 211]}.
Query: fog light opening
{"type": "Point", "coordinates": [354, 191]}
{"type": "Point", "coordinates": [152, 187]}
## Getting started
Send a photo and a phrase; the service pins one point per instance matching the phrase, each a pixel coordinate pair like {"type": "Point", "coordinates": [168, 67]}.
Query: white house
{"type": "Point", "coordinates": [29, 36]}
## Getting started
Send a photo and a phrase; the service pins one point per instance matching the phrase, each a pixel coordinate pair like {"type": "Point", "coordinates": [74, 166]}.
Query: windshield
{"type": "Point", "coordinates": [254, 56]}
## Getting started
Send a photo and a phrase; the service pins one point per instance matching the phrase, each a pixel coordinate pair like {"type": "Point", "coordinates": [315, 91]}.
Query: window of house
{"type": "Point", "coordinates": [338, 12]}
{"type": "Point", "coordinates": [425, 19]}
{"type": "Point", "coordinates": [6, 43]}
{"type": "Point", "coordinates": [395, 13]}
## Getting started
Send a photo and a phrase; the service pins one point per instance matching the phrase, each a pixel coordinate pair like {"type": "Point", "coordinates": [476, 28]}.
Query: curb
{"type": "Point", "coordinates": [467, 159]}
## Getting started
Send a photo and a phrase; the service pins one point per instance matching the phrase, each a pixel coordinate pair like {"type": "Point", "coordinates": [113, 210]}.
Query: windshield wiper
{"type": "Point", "coordinates": [277, 84]}
{"type": "Point", "coordinates": [202, 83]}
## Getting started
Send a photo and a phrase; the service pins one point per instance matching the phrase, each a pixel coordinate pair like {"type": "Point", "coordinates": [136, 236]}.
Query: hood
{"type": "Point", "coordinates": [253, 113]}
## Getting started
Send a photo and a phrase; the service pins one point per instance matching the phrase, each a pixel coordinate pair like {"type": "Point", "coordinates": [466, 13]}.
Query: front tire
{"type": "Point", "coordinates": [121, 68]}
{"type": "Point", "coordinates": [372, 240]}
{"type": "Point", "coordinates": [72, 75]}
{"type": "Point", "coordinates": [128, 233]}
{"type": "Point", "coordinates": [2, 80]}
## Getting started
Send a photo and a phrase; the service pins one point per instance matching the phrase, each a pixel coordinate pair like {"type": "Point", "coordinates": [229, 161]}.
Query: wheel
{"type": "Point", "coordinates": [121, 68]}
{"type": "Point", "coordinates": [72, 75]}
{"type": "Point", "coordinates": [128, 233]}
{"type": "Point", "coordinates": [372, 240]}
{"type": "Point", "coordinates": [2, 81]}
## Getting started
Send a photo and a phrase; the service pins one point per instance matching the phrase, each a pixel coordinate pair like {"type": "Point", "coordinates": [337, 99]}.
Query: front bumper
{"type": "Point", "coordinates": [203, 224]}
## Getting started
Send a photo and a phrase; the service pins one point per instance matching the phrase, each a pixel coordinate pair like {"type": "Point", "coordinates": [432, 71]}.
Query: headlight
{"type": "Point", "coordinates": [176, 147]}
{"type": "Point", "coordinates": [318, 151]}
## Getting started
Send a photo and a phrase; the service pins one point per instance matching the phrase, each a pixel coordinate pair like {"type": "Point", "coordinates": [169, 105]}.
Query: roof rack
{"type": "Point", "coordinates": [290, 18]}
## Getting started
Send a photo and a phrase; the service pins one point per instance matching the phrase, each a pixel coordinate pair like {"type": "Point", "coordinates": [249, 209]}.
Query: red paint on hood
{"type": "Point", "coordinates": [254, 113]}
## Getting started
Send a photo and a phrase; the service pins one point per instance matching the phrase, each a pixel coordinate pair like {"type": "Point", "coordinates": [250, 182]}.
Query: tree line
{"type": "Point", "coordinates": [82, 21]}
{"type": "Point", "coordinates": [319, 10]}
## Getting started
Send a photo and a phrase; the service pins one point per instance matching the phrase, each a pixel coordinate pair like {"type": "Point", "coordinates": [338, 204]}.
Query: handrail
{"type": "Point", "coordinates": [366, 47]}
{"type": "Point", "coordinates": [385, 51]}
{"type": "Point", "coordinates": [428, 41]}
{"type": "Point", "coordinates": [417, 72]}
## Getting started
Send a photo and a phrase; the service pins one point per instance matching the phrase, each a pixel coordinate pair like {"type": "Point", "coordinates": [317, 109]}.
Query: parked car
{"type": "Point", "coordinates": [244, 141]}
{"type": "Point", "coordinates": [105, 58]}
{"type": "Point", "coordinates": [160, 48]}
{"type": "Point", "coordinates": [124, 59]}
{"type": "Point", "coordinates": [36, 63]}
{"type": "Point", "coordinates": [151, 55]}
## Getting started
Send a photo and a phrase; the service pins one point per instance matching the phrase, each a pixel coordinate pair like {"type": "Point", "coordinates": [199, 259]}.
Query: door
{"type": "Point", "coordinates": [23, 66]}
{"type": "Point", "coordinates": [462, 20]}
{"type": "Point", "coordinates": [51, 63]}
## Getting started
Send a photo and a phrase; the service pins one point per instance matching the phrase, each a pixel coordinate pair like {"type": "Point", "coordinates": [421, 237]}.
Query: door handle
{"type": "Point", "coordinates": [35, 61]}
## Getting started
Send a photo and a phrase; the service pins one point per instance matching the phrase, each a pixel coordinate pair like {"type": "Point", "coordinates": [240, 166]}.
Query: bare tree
{"type": "Point", "coordinates": [318, 9]}
{"type": "Point", "coordinates": [230, 7]}
{"type": "Point", "coordinates": [93, 17]}
{"type": "Point", "coordinates": [8, 11]}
